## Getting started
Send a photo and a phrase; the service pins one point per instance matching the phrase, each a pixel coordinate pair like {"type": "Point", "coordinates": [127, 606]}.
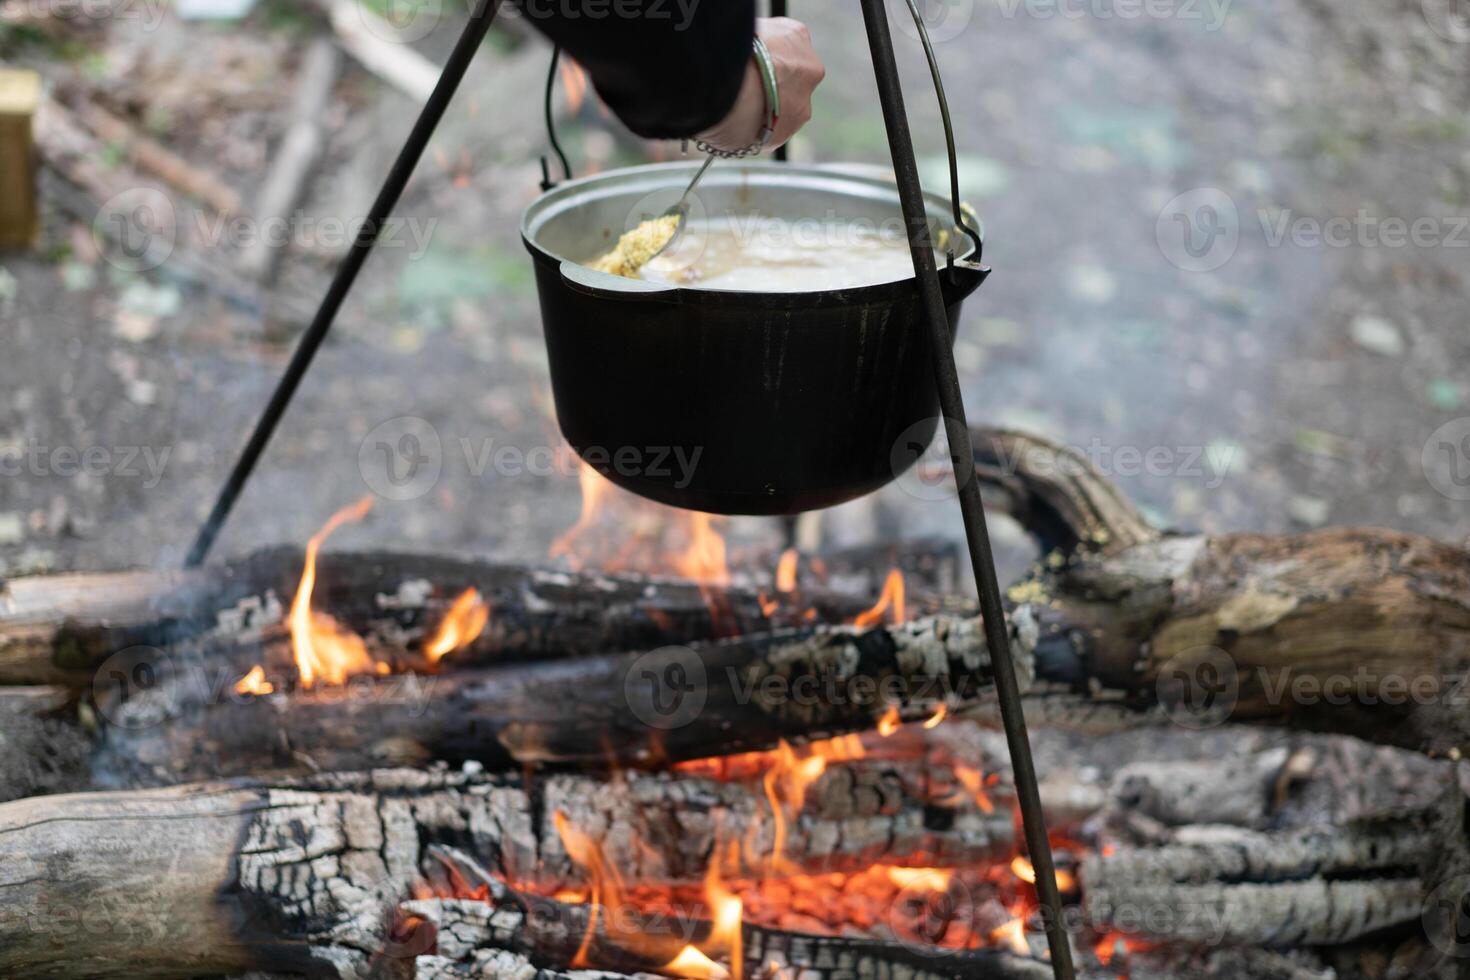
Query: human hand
{"type": "Point", "coordinates": [799, 71]}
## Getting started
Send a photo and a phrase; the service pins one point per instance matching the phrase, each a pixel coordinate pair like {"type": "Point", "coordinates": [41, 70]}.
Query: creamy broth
{"type": "Point", "coordinates": [759, 254]}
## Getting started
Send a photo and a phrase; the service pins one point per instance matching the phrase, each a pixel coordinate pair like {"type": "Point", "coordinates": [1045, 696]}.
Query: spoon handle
{"type": "Point", "coordinates": [684, 198]}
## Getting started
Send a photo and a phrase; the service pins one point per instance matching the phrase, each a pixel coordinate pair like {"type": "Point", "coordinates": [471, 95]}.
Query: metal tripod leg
{"type": "Point", "coordinates": [367, 236]}
{"type": "Point", "coordinates": [946, 376]}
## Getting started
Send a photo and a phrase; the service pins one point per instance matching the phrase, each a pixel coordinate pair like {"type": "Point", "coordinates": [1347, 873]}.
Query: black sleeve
{"type": "Point", "coordinates": [668, 68]}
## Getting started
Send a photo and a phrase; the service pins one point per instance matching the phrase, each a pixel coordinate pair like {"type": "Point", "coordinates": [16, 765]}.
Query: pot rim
{"type": "Point", "coordinates": [860, 180]}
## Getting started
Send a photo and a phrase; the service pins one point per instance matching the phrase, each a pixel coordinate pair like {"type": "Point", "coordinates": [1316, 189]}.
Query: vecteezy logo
{"type": "Point", "coordinates": [1446, 917]}
{"type": "Point", "coordinates": [1446, 459]}
{"type": "Point", "coordinates": [944, 20]}
{"type": "Point", "coordinates": [1450, 19]}
{"type": "Point", "coordinates": [926, 466]}
{"type": "Point", "coordinates": [1199, 688]}
{"type": "Point", "coordinates": [136, 229]}
{"type": "Point", "coordinates": [1199, 230]}
{"type": "Point", "coordinates": [401, 21]}
{"type": "Point", "coordinates": [665, 688]}
{"type": "Point", "coordinates": [935, 914]}
{"type": "Point", "coordinates": [126, 686]}
{"type": "Point", "coordinates": [401, 459]}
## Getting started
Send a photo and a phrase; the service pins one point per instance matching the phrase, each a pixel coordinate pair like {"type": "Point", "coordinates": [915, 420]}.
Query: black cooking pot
{"type": "Point", "coordinates": [727, 401]}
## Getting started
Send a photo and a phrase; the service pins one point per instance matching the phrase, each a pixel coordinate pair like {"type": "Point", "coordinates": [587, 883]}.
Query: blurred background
{"type": "Point", "coordinates": [1230, 240]}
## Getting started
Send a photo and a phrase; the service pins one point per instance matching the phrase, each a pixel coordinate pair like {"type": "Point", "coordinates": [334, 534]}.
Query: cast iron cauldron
{"type": "Point", "coordinates": [727, 401]}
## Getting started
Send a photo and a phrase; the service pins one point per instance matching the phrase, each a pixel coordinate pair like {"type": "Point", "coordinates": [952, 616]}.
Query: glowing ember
{"type": "Point", "coordinates": [921, 879]}
{"type": "Point", "coordinates": [465, 620]}
{"type": "Point", "coordinates": [890, 722]}
{"type": "Point", "coordinates": [254, 682]}
{"type": "Point", "coordinates": [786, 571]}
{"type": "Point", "coordinates": [323, 647]}
{"type": "Point", "coordinates": [760, 886]}
{"type": "Point", "coordinates": [890, 606]}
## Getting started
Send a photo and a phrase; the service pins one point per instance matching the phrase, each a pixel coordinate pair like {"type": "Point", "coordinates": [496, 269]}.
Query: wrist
{"type": "Point", "coordinates": [751, 121]}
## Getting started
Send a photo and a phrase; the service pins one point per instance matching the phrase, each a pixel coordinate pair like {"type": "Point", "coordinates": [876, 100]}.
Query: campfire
{"type": "Point", "coordinates": [659, 755]}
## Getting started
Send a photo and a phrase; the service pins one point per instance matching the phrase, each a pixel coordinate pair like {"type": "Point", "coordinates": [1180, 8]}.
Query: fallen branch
{"type": "Point", "coordinates": [152, 157]}
{"type": "Point", "coordinates": [296, 155]}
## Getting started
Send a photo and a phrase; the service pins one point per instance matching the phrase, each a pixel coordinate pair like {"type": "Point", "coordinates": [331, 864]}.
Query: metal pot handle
{"type": "Point", "coordinates": [954, 167]}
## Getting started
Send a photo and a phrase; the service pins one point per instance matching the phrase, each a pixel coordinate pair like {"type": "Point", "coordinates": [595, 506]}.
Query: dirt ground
{"type": "Point", "coordinates": [1230, 246]}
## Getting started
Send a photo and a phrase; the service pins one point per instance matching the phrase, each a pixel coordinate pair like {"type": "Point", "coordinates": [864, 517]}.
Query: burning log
{"type": "Point", "coordinates": [58, 629]}
{"type": "Point", "coordinates": [300, 875]}
{"type": "Point", "coordinates": [1345, 630]}
{"type": "Point", "coordinates": [550, 934]}
{"type": "Point", "coordinates": [639, 709]}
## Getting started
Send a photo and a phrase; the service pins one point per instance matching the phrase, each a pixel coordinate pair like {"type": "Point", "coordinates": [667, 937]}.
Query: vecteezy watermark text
{"type": "Point", "coordinates": [403, 458]}
{"type": "Point", "coordinates": [138, 229]}
{"type": "Point", "coordinates": [1211, 13]}
{"type": "Point", "coordinates": [33, 458]}
{"type": "Point", "coordinates": [149, 12]}
{"type": "Point", "coordinates": [1201, 230]}
{"type": "Point", "coordinates": [681, 12]}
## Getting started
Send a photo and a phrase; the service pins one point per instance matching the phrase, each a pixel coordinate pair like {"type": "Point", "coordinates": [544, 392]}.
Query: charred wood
{"type": "Point", "coordinates": [301, 875]}
{"type": "Point", "coordinates": [60, 628]}
{"type": "Point", "coordinates": [549, 934]}
{"type": "Point", "coordinates": [639, 709]}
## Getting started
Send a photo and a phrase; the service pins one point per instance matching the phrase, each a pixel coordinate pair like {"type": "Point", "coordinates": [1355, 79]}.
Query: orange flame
{"type": "Point", "coordinates": [254, 682]}
{"type": "Point", "coordinates": [322, 646]}
{"type": "Point", "coordinates": [974, 783]}
{"type": "Point", "coordinates": [465, 620]}
{"type": "Point", "coordinates": [595, 490]}
{"type": "Point", "coordinates": [575, 81]}
{"type": "Point", "coordinates": [786, 782]}
{"type": "Point", "coordinates": [694, 965]}
{"type": "Point", "coordinates": [890, 606]}
{"type": "Point", "coordinates": [940, 713]}
{"type": "Point", "coordinates": [1012, 934]}
{"type": "Point", "coordinates": [1021, 868]}
{"type": "Point", "coordinates": [704, 561]}
{"type": "Point", "coordinates": [786, 571]}
{"type": "Point", "coordinates": [890, 721]}
{"type": "Point", "coordinates": [606, 883]}
{"type": "Point", "coordinates": [726, 912]}
{"type": "Point", "coordinates": [749, 765]}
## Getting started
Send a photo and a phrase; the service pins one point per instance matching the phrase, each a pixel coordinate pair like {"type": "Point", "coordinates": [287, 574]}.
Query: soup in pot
{"type": "Point", "coordinates": [764, 254]}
